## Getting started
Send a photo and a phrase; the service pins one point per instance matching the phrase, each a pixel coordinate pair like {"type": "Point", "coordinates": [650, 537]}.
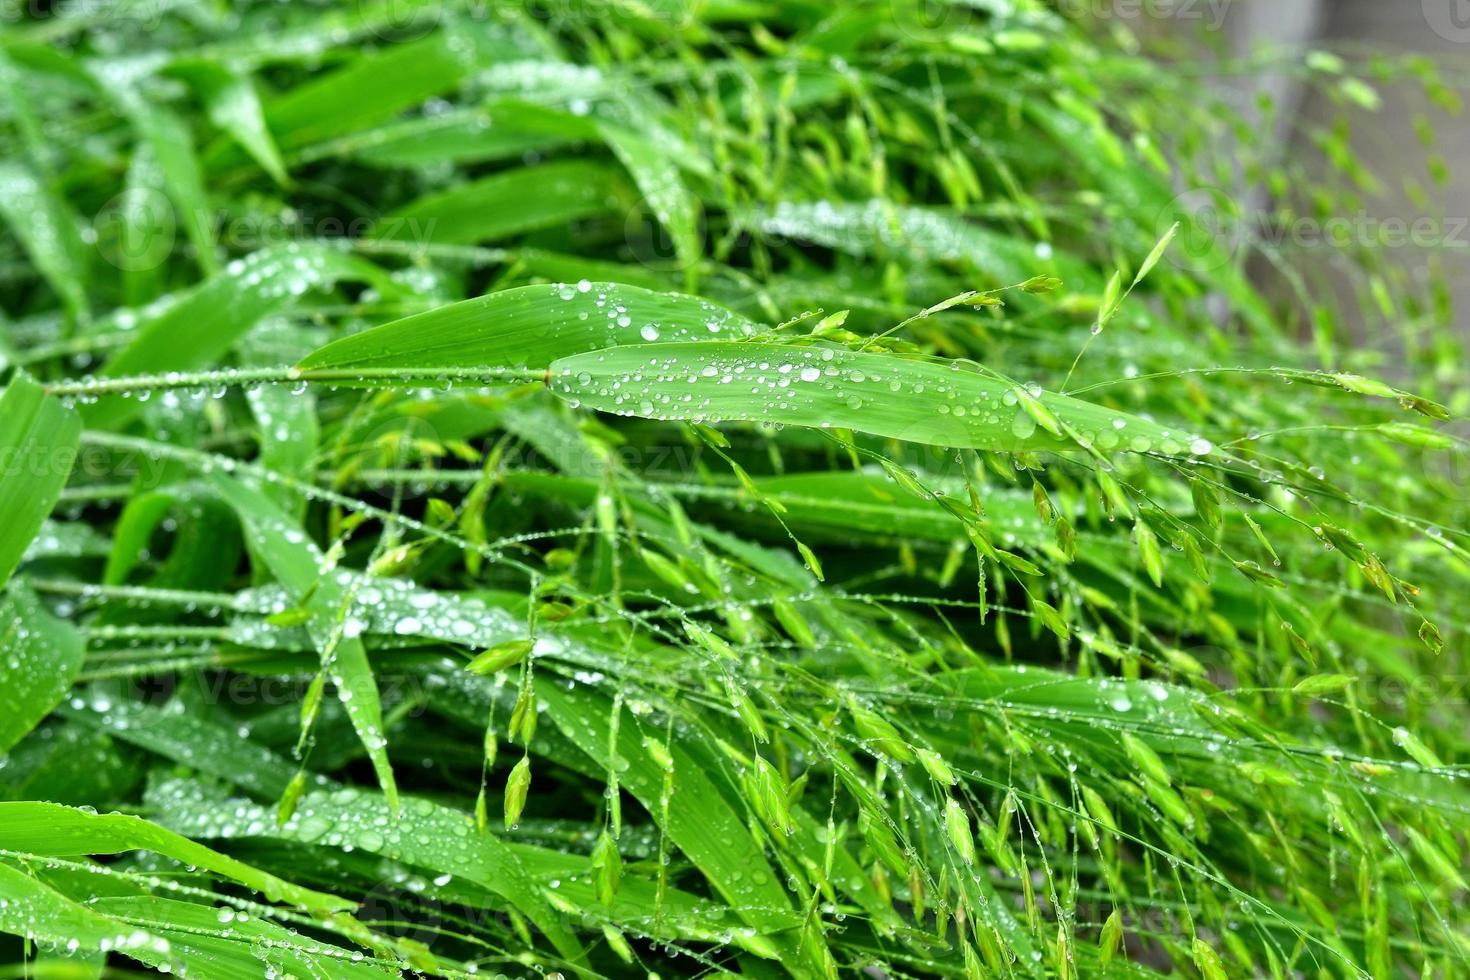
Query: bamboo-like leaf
{"type": "Point", "coordinates": [49, 230]}
{"type": "Point", "coordinates": [509, 203]}
{"type": "Point", "coordinates": [38, 442]}
{"type": "Point", "coordinates": [39, 659]}
{"type": "Point", "coordinates": [662, 187]}
{"type": "Point", "coordinates": [30, 908]}
{"type": "Point", "coordinates": [884, 394]}
{"type": "Point", "coordinates": [427, 835]}
{"type": "Point", "coordinates": [376, 86]}
{"type": "Point", "coordinates": [173, 149]}
{"type": "Point", "coordinates": [233, 105]}
{"type": "Point", "coordinates": [527, 327]}
{"type": "Point", "coordinates": [298, 565]}
{"type": "Point", "coordinates": [194, 329]}
{"type": "Point", "coordinates": [500, 871]}
{"type": "Point", "coordinates": [225, 944]}
{"type": "Point", "coordinates": [879, 226]}
{"type": "Point", "coordinates": [61, 831]}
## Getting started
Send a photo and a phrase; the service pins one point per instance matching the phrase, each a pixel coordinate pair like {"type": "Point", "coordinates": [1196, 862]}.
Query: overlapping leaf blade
{"type": "Point", "coordinates": [883, 394]}
{"type": "Point", "coordinates": [527, 327]}
{"type": "Point", "coordinates": [38, 442]}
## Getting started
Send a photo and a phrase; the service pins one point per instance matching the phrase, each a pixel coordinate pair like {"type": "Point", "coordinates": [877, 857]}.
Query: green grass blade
{"type": "Point", "coordinates": [662, 187]}
{"type": "Point", "coordinates": [501, 131]}
{"type": "Point", "coordinates": [699, 819]}
{"type": "Point", "coordinates": [61, 831]}
{"type": "Point", "coordinates": [195, 329]}
{"type": "Point", "coordinates": [527, 327]}
{"type": "Point", "coordinates": [30, 908]}
{"type": "Point", "coordinates": [48, 229]}
{"type": "Point", "coordinates": [428, 835]}
{"type": "Point", "coordinates": [38, 442]}
{"type": "Point", "coordinates": [510, 203]}
{"type": "Point", "coordinates": [173, 148]}
{"type": "Point", "coordinates": [375, 87]}
{"type": "Point", "coordinates": [225, 944]}
{"type": "Point", "coordinates": [298, 565]}
{"type": "Point", "coordinates": [39, 659]}
{"type": "Point", "coordinates": [234, 106]}
{"type": "Point", "coordinates": [882, 394]}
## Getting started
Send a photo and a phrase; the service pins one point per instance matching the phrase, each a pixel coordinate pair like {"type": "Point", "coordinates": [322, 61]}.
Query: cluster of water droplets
{"type": "Point", "coordinates": [822, 386]}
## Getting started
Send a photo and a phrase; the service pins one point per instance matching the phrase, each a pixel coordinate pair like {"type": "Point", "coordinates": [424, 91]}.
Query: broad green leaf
{"type": "Point", "coordinates": [528, 327]}
{"type": "Point", "coordinates": [222, 944]}
{"type": "Point", "coordinates": [297, 564]}
{"type": "Point", "coordinates": [205, 747]}
{"type": "Point", "coordinates": [137, 232]}
{"type": "Point", "coordinates": [61, 831]}
{"type": "Point", "coordinates": [659, 181]}
{"type": "Point", "coordinates": [185, 938]}
{"type": "Point", "coordinates": [882, 394]}
{"type": "Point", "coordinates": [879, 227]}
{"type": "Point", "coordinates": [358, 823]}
{"type": "Point", "coordinates": [32, 909]}
{"type": "Point", "coordinates": [133, 531]}
{"type": "Point", "coordinates": [427, 834]}
{"type": "Point", "coordinates": [233, 105]}
{"type": "Point", "coordinates": [173, 148]}
{"type": "Point", "coordinates": [510, 203]}
{"type": "Point", "coordinates": [202, 553]}
{"type": "Point", "coordinates": [377, 86]}
{"type": "Point", "coordinates": [502, 131]}
{"type": "Point", "coordinates": [38, 442]}
{"type": "Point", "coordinates": [479, 883]}
{"type": "Point", "coordinates": [49, 230]}
{"type": "Point", "coordinates": [39, 659]}
{"type": "Point", "coordinates": [194, 329]}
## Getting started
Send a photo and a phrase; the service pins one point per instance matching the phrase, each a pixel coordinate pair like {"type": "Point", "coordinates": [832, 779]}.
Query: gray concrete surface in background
{"type": "Point", "coordinates": [1385, 142]}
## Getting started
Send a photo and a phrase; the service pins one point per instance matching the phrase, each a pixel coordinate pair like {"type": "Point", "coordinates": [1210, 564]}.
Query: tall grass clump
{"type": "Point", "coordinates": [762, 488]}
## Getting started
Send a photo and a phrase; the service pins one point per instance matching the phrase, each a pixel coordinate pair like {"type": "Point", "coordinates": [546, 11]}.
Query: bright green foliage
{"type": "Point", "coordinates": [658, 489]}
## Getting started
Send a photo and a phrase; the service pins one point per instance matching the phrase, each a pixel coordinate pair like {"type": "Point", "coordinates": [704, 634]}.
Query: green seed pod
{"type": "Point", "coordinates": [607, 864]}
{"type": "Point", "coordinates": [957, 825]}
{"type": "Point", "coordinates": [501, 656]}
{"type": "Point", "coordinates": [517, 785]}
{"type": "Point", "coordinates": [876, 730]}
